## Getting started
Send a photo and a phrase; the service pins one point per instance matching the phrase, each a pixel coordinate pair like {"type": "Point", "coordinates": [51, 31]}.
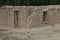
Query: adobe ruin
{"type": "Point", "coordinates": [29, 16]}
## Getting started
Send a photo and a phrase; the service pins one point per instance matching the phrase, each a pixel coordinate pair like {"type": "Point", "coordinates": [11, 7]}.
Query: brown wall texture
{"type": "Point", "coordinates": [29, 16]}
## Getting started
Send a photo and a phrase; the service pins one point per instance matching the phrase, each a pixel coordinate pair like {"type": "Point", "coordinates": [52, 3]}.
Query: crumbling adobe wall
{"type": "Point", "coordinates": [35, 15]}
{"type": "Point", "coordinates": [6, 17]}
{"type": "Point", "coordinates": [29, 16]}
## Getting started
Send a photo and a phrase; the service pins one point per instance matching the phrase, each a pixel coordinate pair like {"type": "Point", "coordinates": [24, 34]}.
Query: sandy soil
{"type": "Point", "coordinates": [50, 32]}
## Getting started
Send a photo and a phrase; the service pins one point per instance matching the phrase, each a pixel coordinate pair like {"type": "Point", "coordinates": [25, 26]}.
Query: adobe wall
{"type": "Point", "coordinates": [23, 18]}
{"type": "Point", "coordinates": [53, 15]}
{"type": "Point", "coordinates": [35, 15]}
{"type": "Point", "coordinates": [35, 18]}
{"type": "Point", "coordinates": [6, 17]}
{"type": "Point", "coordinates": [29, 16]}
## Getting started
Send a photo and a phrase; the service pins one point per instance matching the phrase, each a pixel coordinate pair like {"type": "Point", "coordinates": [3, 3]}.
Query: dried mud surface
{"type": "Point", "coordinates": [50, 32]}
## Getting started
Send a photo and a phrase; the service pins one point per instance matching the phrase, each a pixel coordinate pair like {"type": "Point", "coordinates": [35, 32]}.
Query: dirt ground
{"type": "Point", "coordinates": [50, 32]}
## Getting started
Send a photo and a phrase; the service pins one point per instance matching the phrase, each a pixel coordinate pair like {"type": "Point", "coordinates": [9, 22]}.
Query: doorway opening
{"type": "Point", "coordinates": [15, 19]}
{"type": "Point", "coordinates": [44, 16]}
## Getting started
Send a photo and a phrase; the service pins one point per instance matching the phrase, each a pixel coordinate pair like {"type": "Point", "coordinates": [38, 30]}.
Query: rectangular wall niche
{"type": "Point", "coordinates": [15, 19]}
{"type": "Point", "coordinates": [44, 16]}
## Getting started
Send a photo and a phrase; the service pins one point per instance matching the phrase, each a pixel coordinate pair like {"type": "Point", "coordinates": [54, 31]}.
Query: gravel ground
{"type": "Point", "coordinates": [50, 32]}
